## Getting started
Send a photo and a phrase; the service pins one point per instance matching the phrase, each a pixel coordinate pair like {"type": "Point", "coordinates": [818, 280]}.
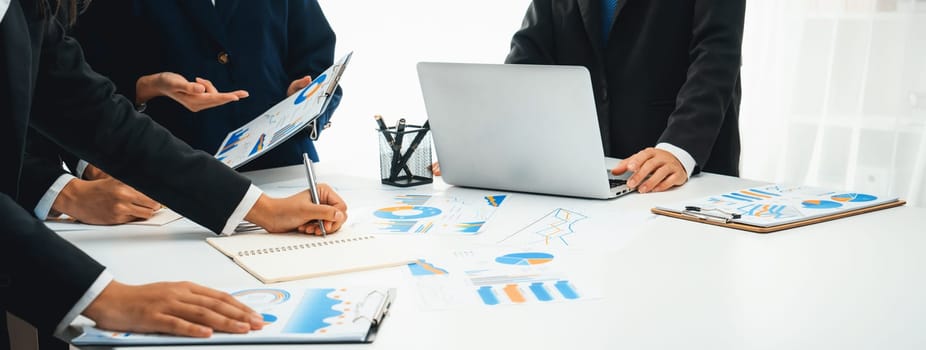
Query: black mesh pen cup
{"type": "Point", "coordinates": [405, 155]}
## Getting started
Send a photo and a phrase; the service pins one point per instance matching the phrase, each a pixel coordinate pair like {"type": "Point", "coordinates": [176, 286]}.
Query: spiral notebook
{"type": "Point", "coordinates": [284, 257]}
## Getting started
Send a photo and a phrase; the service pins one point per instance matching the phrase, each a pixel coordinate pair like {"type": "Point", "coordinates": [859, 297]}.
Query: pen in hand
{"type": "Point", "coordinates": [313, 189]}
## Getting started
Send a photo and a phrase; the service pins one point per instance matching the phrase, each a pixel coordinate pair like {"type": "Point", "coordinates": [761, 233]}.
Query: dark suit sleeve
{"type": "Point", "coordinates": [41, 147]}
{"type": "Point", "coordinates": [710, 87]}
{"type": "Point", "coordinates": [38, 176]}
{"type": "Point", "coordinates": [311, 47]}
{"type": "Point", "coordinates": [41, 168]}
{"type": "Point", "coordinates": [533, 43]}
{"type": "Point", "coordinates": [104, 129]}
{"type": "Point", "coordinates": [42, 276]}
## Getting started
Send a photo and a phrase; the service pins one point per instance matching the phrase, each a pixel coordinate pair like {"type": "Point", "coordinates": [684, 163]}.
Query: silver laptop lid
{"type": "Point", "coordinates": [516, 127]}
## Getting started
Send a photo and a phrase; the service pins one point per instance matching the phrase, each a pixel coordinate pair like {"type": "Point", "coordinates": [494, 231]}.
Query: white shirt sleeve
{"type": "Point", "coordinates": [44, 206]}
{"type": "Point", "coordinates": [81, 166]}
{"type": "Point", "coordinates": [250, 198]}
{"type": "Point", "coordinates": [105, 278]}
{"type": "Point", "coordinates": [89, 296]}
{"type": "Point", "coordinates": [4, 5]}
{"type": "Point", "coordinates": [683, 156]}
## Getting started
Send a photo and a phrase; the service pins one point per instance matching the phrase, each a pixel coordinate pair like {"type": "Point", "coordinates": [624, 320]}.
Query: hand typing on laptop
{"type": "Point", "coordinates": [663, 170]}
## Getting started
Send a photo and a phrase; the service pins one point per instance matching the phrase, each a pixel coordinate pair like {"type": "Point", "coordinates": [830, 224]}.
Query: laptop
{"type": "Point", "coordinates": [524, 128]}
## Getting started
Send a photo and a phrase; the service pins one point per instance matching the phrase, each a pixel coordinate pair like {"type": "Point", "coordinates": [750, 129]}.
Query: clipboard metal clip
{"type": "Point", "coordinates": [385, 301]}
{"type": "Point", "coordinates": [711, 214]}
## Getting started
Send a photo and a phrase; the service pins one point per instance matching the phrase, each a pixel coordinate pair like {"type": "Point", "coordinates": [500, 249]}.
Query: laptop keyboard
{"type": "Point", "coordinates": [617, 182]}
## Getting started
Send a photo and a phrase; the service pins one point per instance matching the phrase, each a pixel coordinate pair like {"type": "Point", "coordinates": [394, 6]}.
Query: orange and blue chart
{"type": "Point", "coordinates": [776, 211]}
{"type": "Point", "coordinates": [233, 141]}
{"type": "Point", "coordinates": [820, 204]}
{"type": "Point", "coordinates": [527, 292]}
{"type": "Point", "coordinates": [525, 259]}
{"type": "Point", "coordinates": [853, 197]}
{"type": "Point", "coordinates": [469, 227]}
{"type": "Point", "coordinates": [262, 296]}
{"type": "Point", "coordinates": [259, 146]}
{"type": "Point", "coordinates": [407, 212]}
{"type": "Point", "coordinates": [495, 200]}
{"type": "Point", "coordinates": [423, 268]}
{"type": "Point", "coordinates": [310, 90]}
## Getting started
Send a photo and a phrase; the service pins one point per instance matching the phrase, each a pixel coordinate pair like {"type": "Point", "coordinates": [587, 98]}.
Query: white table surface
{"type": "Point", "coordinates": [854, 283]}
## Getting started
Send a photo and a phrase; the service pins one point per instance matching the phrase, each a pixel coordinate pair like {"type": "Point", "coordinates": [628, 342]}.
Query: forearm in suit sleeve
{"type": "Point", "coordinates": [311, 47]}
{"type": "Point", "coordinates": [533, 43]}
{"type": "Point", "coordinates": [708, 91]}
{"type": "Point", "coordinates": [80, 111]}
{"type": "Point", "coordinates": [41, 275]}
{"type": "Point", "coordinates": [38, 176]}
{"type": "Point", "coordinates": [40, 146]}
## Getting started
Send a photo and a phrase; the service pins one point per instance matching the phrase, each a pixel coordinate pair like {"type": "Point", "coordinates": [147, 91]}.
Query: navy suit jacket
{"type": "Point", "coordinates": [268, 44]}
{"type": "Point", "coordinates": [668, 73]}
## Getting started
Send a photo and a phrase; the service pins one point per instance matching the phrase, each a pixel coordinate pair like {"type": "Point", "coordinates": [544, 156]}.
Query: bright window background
{"type": "Point", "coordinates": [834, 91]}
{"type": "Point", "coordinates": [388, 38]}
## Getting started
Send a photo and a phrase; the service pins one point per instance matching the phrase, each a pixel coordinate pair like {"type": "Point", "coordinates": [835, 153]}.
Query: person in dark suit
{"type": "Point", "coordinates": [666, 76]}
{"type": "Point", "coordinates": [176, 56]}
{"type": "Point", "coordinates": [140, 44]}
{"type": "Point", "coordinates": [46, 85]}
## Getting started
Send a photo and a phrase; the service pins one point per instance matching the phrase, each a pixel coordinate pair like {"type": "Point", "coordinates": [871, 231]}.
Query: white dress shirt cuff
{"type": "Point", "coordinates": [89, 296]}
{"type": "Point", "coordinates": [44, 206]}
{"type": "Point", "coordinates": [242, 210]}
{"type": "Point", "coordinates": [683, 157]}
{"type": "Point", "coordinates": [81, 166]}
{"type": "Point", "coordinates": [4, 5]}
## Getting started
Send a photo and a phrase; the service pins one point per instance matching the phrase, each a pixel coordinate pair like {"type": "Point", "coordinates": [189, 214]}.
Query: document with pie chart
{"type": "Point", "coordinates": [776, 205]}
{"type": "Point", "coordinates": [457, 213]}
{"type": "Point", "coordinates": [281, 121]}
{"type": "Point", "coordinates": [498, 276]}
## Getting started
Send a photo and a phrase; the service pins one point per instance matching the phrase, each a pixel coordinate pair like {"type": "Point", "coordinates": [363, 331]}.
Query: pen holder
{"type": "Point", "coordinates": [405, 156]}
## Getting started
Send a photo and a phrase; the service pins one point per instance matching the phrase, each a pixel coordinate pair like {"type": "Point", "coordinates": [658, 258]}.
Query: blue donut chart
{"type": "Point", "coordinates": [407, 212]}
{"type": "Point", "coordinates": [310, 90]}
{"type": "Point", "coordinates": [820, 204]}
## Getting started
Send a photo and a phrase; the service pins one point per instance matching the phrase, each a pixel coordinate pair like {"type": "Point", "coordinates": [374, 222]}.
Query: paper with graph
{"type": "Point", "coordinates": [493, 277]}
{"type": "Point", "coordinates": [464, 213]}
{"type": "Point", "coordinates": [281, 121]}
{"type": "Point", "coordinates": [773, 205]}
{"type": "Point", "coordinates": [291, 315]}
{"type": "Point", "coordinates": [556, 228]}
{"type": "Point", "coordinates": [593, 228]}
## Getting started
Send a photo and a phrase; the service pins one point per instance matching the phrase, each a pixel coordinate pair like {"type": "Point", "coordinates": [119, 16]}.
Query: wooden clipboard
{"type": "Point", "coordinates": [759, 229]}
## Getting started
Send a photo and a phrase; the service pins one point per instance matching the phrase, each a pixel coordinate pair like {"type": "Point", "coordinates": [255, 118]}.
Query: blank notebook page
{"type": "Point", "coordinates": [290, 256]}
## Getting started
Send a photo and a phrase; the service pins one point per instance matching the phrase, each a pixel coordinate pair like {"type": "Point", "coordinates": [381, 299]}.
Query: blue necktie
{"type": "Point", "coordinates": [608, 7]}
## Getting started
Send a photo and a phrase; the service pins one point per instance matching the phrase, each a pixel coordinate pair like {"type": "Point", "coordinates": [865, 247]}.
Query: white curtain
{"type": "Point", "coordinates": [834, 94]}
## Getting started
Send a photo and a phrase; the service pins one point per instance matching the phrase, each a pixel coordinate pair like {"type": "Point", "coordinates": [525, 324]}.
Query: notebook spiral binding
{"type": "Point", "coordinates": [317, 244]}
